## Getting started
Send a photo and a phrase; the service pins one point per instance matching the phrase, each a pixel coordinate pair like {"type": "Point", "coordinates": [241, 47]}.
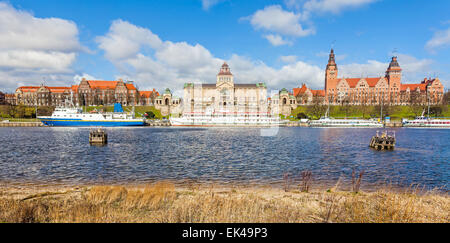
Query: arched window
{"type": "Point", "coordinates": [167, 101]}
{"type": "Point", "coordinates": [284, 101]}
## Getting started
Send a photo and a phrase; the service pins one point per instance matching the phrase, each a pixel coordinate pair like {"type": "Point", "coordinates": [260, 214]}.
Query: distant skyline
{"type": "Point", "coordinates": [164, 44]}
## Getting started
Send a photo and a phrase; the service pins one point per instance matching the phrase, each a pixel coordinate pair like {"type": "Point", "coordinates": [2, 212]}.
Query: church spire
{"type": "Point", "coordinates": [331, 60]}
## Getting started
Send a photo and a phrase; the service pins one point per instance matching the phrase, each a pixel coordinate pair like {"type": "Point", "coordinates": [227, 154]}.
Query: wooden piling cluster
{"type": "Point", "coordinates": [98, 137]}
{"type": "Point", "coordinates": [383, 142]}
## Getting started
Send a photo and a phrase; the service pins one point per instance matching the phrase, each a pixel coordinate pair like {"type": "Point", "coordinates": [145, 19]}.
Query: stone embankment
{"type": "Point", "coordinates": [21, 124]}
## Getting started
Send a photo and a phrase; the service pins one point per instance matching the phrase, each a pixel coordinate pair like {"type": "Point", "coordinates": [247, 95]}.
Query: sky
{"type": "Point", "coordinates": [166, 43]}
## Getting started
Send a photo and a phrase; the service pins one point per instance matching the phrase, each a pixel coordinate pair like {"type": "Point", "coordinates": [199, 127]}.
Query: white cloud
{"type": "Point", "coordinates": [207, 4]}
{"type": "Point", "coordinates": [124, 40]}
{"type": "Point", "coordinates": [33, 49]}
{"type": "Point", "coordinates": [78, 77]}
{"type": "Point", "coordinates": [171, 64]}
{"type": "Point", "coordinates": [325, 6]}
{"type": "Point", "coordinates": [277, 40]}
{"type": "Point", "coordinates": [440, 39]}
{"type": "Point", "coordinates": [288, 59]}
{"type": "Point", "coordinates": [333, 6]}
{"type": "Point", "coordinates": [275, 19]}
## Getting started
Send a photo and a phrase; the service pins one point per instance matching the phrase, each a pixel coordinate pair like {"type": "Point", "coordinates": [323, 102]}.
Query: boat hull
{"type": "Point", "coordinates": [88, 123]}
{"type": "Point", "coordinates": [223, 123]}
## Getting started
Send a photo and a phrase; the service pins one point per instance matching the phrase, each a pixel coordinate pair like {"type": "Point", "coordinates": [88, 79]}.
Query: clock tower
{"type": "Point", "coordinates": [331, 73]}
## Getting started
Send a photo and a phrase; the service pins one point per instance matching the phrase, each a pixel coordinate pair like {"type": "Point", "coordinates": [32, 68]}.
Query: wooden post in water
{"type": "Point", "coordinates": [383, 142]}
{"type": "Point", "coordinates": [98, 137]}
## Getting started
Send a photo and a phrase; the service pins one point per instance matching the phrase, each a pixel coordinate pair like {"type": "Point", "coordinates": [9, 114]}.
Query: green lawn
{"type": "Point", "coordinates": [139, 110]}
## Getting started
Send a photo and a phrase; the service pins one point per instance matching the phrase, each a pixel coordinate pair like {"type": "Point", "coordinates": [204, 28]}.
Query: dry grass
{"type": "Point", "coordinates": [163, 202]}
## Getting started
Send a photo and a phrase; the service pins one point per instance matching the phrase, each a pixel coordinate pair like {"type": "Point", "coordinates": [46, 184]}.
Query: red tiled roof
{"type": "Point", "coordinates": [28, 88]}
{"type": "Point", "coordinates": [352, 82]}
{"type": "Point", "coordinates": [130, 86]}
{"type": "Point", "coordinates": [100, 84]}
{"type": "Point", "coordinates": [301, 90]}
{"type": "Point", "coordinates": [318, 92]}
{"type": "Point", "coordinates": [422, 87]}
{"type": "Point", "coordinates": [75, 88]}
{"type": "Point", "coordinates": [147, 94]}
{"type": "Point", "coordinates": [372, 82]}
{"type": "Point", "coordinates": [58, 89]}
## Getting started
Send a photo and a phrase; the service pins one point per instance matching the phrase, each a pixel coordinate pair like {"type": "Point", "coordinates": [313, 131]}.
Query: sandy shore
{"type": "Point", "coordinates": [165, 202]}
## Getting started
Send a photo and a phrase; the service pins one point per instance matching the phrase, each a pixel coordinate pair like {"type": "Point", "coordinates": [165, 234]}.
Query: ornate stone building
{"type": "Point", "coordinates": [225, 97]}
{"type": "Point", "coordinates": [387, 90]}
{"type": "Point", "coordinates": [168, 104]}
{"type": "Point", "coordinates": [282, 103]}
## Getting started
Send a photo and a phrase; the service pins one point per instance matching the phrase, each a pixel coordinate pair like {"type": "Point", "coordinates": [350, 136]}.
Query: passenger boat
{"type": "Point", "coordinates": [75, 117]}
{"type": "Point", "coordinates": [327, 121]}
{"type": "Point", "coordinates": [423, 121]}
{"type": "Point", "coordinates": [237, 121]}
{"type": "Point", "coordinates": [331, 122]}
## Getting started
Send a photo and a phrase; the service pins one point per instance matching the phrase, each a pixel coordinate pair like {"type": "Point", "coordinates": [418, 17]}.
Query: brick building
{"type": "Point", "coordinates": [387, 90]}
{"type": "Point", "coordinates": [87, 93]}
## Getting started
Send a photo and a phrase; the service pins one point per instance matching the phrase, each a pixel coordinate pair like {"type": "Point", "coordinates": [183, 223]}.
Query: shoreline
{"type": "Point", "coordinates": [199, 203]}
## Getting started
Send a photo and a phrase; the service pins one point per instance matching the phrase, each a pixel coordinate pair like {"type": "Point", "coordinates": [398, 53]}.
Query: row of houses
{"type": "Point", "coordinates": [87, 93]}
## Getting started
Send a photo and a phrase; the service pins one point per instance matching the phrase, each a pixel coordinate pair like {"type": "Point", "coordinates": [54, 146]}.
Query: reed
{"type": "Point", "coordinates": [163, 202]}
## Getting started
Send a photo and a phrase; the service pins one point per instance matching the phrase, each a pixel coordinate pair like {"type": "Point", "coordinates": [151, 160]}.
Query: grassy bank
{"type": "Point", "coordinates": [163, 202]}
{"type": "Point", "coordinates": [139, 110]}
{"type": "Point", "coordinates": [395, 112]}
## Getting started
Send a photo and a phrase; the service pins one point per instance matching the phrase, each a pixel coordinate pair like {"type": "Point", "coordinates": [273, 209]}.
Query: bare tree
{"type": "Point", "coordinates": [317, 107]}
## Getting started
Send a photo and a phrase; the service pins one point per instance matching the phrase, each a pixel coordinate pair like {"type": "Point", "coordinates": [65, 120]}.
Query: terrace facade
{"type": "Point", "coordinates": [87, 93]}
{"type": "Point", "coordinates": [387, 90]}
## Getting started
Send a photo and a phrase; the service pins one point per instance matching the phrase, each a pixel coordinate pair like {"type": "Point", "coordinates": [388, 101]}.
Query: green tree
{"type": "Point", "coordinates": [150, 115]}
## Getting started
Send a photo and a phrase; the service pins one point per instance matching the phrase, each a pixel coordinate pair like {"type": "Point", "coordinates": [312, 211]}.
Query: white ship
{"type": "Point", "coordinates": [423, 121]}
{"type": "Point", "coordinates": [331, 122]}
{"type": "Point", "coordinates": [236, 121]}
{"type": "Point", "coordinates": [75, 117]}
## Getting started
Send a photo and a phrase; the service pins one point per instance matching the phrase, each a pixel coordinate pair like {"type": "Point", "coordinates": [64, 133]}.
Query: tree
{"type": "Point", "coordinates": [150, 115]}
{"type": "Point", "coordinates": [416, 104]}
{"type": "Point", "coordinates": [446, 98]}
{"type": "Point", "coordinates": [317, 108]}
{"type": "Point", "coordinates": [436, 111]}
{"type": "Point", "coordinates": [302, 115]}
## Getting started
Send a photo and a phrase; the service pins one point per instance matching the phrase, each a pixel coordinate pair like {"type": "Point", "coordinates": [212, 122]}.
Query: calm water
{"type": "Point", "coordinates": [221, 155]}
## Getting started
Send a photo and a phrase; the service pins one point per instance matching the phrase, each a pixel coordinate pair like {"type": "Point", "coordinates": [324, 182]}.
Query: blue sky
{"type": "Point", "coordinates": [165, 43]}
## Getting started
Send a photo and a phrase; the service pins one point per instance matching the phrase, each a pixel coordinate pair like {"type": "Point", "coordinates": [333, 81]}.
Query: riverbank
{"type": "Point", "coordinates": [164, 202]}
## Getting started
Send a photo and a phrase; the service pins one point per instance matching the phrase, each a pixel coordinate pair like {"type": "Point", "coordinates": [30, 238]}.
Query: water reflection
{"type": "Point", "coordinates": [221, 155]}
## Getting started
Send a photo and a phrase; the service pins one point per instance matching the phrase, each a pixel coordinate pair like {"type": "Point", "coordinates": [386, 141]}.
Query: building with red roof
{"type": "Point", "coordinates": [387, 89]}
{"type": "Point", "coordinates": [88, 92]}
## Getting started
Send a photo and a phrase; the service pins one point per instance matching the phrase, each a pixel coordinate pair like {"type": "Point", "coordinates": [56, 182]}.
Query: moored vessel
{"type": "Point", "coordinates": [425, 122]}
{"type": "Point", "coordinates": [75, 117]}
{"type": "Point", "coordinates": [331, 122]}
{"type": "Point", "coordinates": [232, 121]}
